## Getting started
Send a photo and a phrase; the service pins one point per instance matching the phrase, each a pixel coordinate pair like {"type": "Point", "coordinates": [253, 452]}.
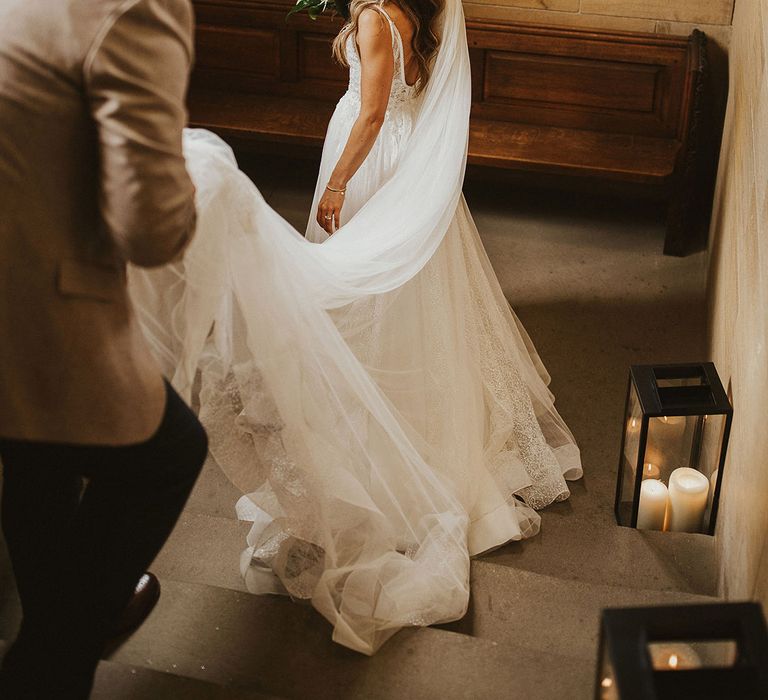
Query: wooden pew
{"type": "Point", "coordinates": [608, 106]}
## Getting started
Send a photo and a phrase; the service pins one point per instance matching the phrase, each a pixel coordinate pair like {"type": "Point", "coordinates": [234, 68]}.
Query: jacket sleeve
{"type": "Point", "coordinates": [136, 77]}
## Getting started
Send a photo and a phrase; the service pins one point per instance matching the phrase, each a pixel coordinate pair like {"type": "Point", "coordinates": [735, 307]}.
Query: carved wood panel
{"type": "Point", "coordinates": [605, 81]}
{"type": "Point", "coordinates": [619, 106]}
{"type": "Point", "coordinates": [617, 82]}
{"type": "Point", "coordinates": [576, 83]}
{"type": "Point", "coordinates": [250, 46]}
{"type": "Point", "coordinates": [229, 49]}
{"type": "Point", "coordinates": [315, 60]}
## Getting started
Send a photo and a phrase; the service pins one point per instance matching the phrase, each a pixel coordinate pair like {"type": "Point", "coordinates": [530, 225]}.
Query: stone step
{"type": "Point", "coordinates": [517, 608]}
{"type": "Point", "coordinates": [591, 547]}
{"type": "Point", "coordinates": [229, 637]}
{"type": "Point", "coordinates": [214, 494]}
{"type": "Point", "coordinates": [578, 541]}
{"type": "Point", "coordinates": [206, 628]}
{"type": "Point", "coordinates": [233, 639]}
{"type": "Point", "coordinates": [546, 613]}
{"type": "Point", "coordinates": [524, 629]}
{"type": "Point", "coordinates": [204, 549]}
{"type": "Point", "coordinates": [116, 681]}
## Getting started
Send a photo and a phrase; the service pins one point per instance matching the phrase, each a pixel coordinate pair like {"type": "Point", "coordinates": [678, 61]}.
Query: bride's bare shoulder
{"type": "Point", "coordinates": [370, 23]}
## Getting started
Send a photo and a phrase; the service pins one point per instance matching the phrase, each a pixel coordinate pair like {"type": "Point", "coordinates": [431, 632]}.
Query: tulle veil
{"type": "Point", "coordinates": [374, 395]}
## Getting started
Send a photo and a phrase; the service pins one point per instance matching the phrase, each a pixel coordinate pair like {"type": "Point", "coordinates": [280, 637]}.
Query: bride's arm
{"type": "Point", "coordinates": [374, 40]}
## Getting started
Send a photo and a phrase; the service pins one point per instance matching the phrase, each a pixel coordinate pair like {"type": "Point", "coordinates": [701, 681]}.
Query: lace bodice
{"type": "Point", "coordinates": [401, 94]}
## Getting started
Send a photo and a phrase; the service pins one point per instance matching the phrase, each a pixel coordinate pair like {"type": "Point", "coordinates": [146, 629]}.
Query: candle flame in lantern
{"type": "Point", "coordinates": [607, 682]}
{"type": "Point", "coordinates": [651, 470]}
{"type": "Point", "coordinates": [634, 423]}
{"type": "Point", "coordinates": [673, 661]}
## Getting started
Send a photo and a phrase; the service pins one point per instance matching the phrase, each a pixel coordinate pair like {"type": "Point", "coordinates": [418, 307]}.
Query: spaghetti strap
{"type": "Point", "coordinates": [392, 28]}
{"type": "Point", "coordinates": [397, 45]}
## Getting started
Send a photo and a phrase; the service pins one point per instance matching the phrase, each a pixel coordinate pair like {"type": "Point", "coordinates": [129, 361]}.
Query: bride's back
{"type": "Point", "coordinates": [413, 20]}
{"type": "Point", "coordinates": [407, 29]}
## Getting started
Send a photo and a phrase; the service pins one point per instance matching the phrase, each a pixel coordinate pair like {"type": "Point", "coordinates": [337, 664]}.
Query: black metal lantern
{"type": "Point", "coordinates": [676, 426]}
{"type": "Point", "coordinates": [696, 652]}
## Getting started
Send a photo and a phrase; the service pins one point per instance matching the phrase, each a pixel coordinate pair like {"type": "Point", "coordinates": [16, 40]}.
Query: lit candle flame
{"type": "Point", "coordinates": [651, 471]}
{"type": "Point", "coordinates": [673, 661]}
{"type": "Point", "coordinates": [607, 682]}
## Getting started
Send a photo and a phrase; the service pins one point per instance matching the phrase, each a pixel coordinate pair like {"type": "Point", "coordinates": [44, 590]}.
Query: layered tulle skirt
{"type": "Point", "coordinates": [379, 443]}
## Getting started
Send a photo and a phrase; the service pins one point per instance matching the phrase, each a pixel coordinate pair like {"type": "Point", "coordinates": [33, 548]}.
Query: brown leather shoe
{"type": "Point", "coordinates": [142, 603]}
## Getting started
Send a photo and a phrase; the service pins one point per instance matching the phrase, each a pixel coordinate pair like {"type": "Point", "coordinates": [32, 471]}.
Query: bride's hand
{"type": "Point", "coordinates": [329, 211]}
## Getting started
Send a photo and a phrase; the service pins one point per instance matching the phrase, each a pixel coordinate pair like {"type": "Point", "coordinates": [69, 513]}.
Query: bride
{"type": "Point", "coordinates": [367, 384]}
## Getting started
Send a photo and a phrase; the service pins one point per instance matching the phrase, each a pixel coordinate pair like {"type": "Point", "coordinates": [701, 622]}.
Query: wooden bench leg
{"type": "Point", "coordinates": [682, 222]}
{"type": "Point", "coordinates": [687, 207]}
{"type": "Point", "coordinates": [675, 238]}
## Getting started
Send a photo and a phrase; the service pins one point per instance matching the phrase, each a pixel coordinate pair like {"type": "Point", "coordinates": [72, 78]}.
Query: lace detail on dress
{"type": "Point", "coordinates": [367, 391]}
{"type": "Point", "coordinates": [513, 420]}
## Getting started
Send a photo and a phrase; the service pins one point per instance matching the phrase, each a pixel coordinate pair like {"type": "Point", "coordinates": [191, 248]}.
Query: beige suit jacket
{"type": "Point", "coordinates": [91, 177]}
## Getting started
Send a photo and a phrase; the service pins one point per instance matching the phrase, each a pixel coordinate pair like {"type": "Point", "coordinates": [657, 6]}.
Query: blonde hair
{"type": "Point", "coordinates": [421, 13]}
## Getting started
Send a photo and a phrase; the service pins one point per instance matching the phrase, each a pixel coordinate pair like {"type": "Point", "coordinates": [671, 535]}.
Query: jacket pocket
{"type": "Point", "coordinates": [85, 280]}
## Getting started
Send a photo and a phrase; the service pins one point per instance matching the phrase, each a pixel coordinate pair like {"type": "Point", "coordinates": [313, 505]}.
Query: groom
{"type": "Point", "coordinates": [91, 177]}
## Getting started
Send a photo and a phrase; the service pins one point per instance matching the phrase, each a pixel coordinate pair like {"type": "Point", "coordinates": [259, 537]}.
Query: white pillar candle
{"type": "Point", "coordinates": [653, 505]}
{"type": "Point", "coordinates": [688, 490]}
{"type": "Point", "coordinates": [651, 471]}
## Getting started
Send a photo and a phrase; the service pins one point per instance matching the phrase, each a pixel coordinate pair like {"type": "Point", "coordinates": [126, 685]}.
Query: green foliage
{"type": "Point", "coordinates": [315, 8]}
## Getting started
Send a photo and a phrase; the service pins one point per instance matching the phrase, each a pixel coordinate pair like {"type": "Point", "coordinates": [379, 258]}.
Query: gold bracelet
{"type": "Point", "coordinates": [331, 189]}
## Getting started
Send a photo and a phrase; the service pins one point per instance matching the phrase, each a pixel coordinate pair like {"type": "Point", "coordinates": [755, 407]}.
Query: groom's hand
{"type": "Point", "coordinates": [329, 211]}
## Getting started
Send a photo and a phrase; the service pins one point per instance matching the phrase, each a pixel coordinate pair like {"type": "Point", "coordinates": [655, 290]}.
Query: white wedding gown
{"type": "Point", "coordinates": [372, 393]}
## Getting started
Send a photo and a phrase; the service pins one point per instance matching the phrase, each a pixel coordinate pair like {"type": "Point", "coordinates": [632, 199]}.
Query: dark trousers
{"type": "Point", "coordinates": [77, 554]}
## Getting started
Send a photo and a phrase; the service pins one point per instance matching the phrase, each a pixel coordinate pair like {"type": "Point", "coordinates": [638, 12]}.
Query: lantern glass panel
{"type": "Point", "coordinates": [676, 430]}
{"type": "Point", "coordinates": [606, 688]}
{"type": "Point", "coordinates": [695, 443]}
{"type": "Point", "coordinates": [715, 650]}
{"type": "Point", "coordinates": [670, 439]}
{"type": "Point", "coordinates": [683, 655]}
{"type": "Point", "coordinates": [634, 421]}
{"type": "Point", "coordinates": [631, 456]}
{"type": "Point", "coordinates": [710, 451]}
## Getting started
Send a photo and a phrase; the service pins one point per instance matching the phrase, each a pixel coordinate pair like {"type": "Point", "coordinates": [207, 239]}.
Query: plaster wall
{"type": "Point", "coordinates": [675, 16]}
{"type": "Point", "coordinates": [738, 313]}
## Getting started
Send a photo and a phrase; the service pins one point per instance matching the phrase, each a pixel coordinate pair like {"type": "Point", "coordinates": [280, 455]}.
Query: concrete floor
{"type": "Point", "coordinates": [586, 276]}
